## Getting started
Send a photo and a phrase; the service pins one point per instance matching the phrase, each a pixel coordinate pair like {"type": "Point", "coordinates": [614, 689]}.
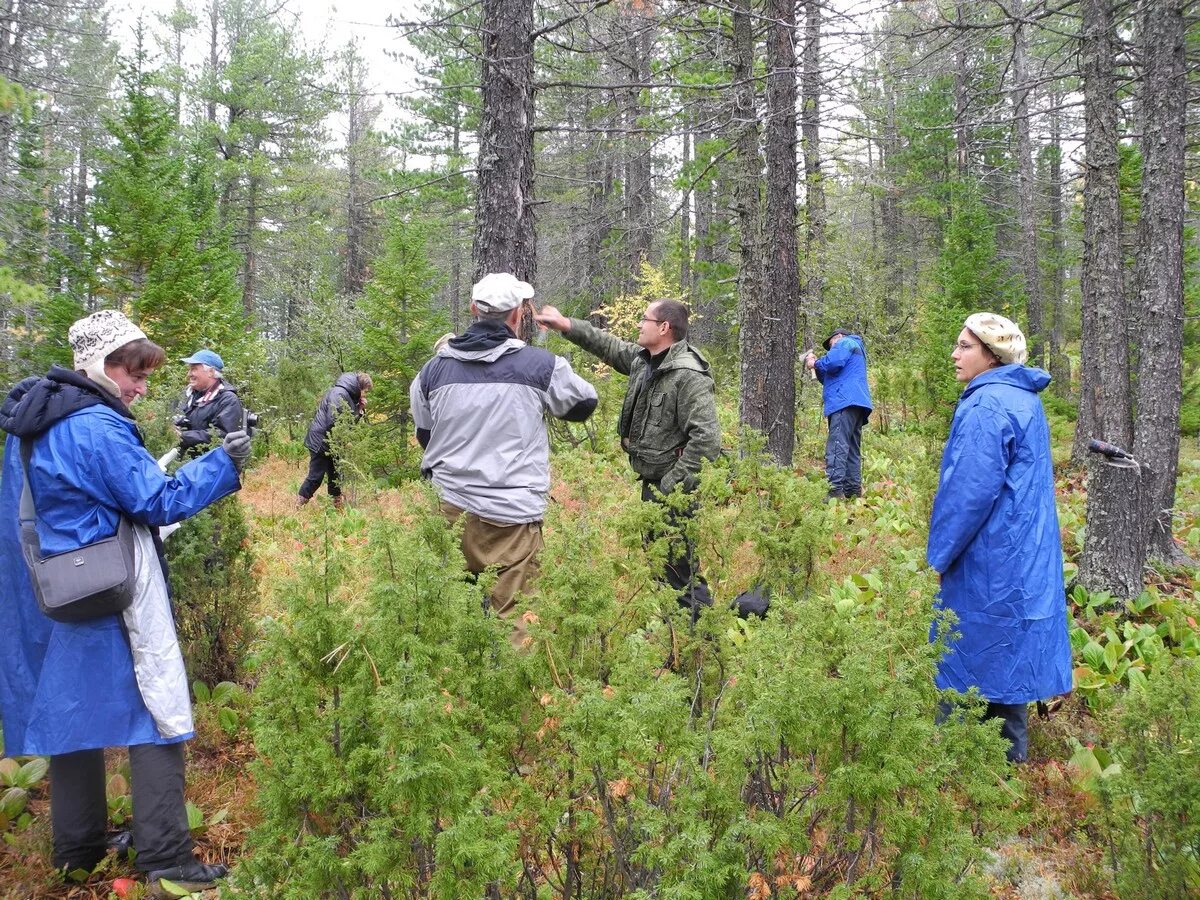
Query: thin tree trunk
{"type": "Point", "coordinates": [752, 401]}
{"type": "Point", "coordinates": [1060, 363]}
{"type": "Point", "coordinates": [1026, 204]}
{"type": "Point", "coordinates": [962, 123]}
{"type": "Point", "coordinates": [769, 338]}
{"type": "Point", "coordinates": [685, 220]}
{"type": "Point", "coordinates": [1160, 271]}
{"type": "Point", "coordinates": [1114, 546]}
{"type": "Point", "coordinates": [505, 239]}
{"type": "Point", "coordinates": [814, 187]}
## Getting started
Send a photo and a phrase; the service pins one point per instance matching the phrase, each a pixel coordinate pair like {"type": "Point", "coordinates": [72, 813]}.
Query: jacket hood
{"type": "Point", "coordinates": [857, 337]}
{"type": "Point", "coordinates": [36, 403]}
{"type": "Point", "coordinates": [348, 382]}
{"type": "Point", "coordinates": [1027, 378]}
{"type": "Point", "coordinates": [485, 341]}
{"type": "Point", "coordinates": [683, 355]}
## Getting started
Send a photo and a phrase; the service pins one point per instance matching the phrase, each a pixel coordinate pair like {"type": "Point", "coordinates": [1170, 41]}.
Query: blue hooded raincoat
{"type": "Point", "coordinates": [68, 687]}
{"type": "Point", "coordinates": [994, 538]}
{"type": "Point", "coordinates": [843, 376]}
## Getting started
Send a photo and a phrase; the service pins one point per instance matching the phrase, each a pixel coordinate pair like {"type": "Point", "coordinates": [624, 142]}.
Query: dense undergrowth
{"type": "Point", "coordinates": [388, 741]}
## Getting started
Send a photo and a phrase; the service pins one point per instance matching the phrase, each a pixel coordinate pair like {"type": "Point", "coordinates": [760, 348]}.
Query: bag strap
{"type": "Point", "coordinates": [27, 521]}
{"type": "Point", "coordinates": [28, 513]}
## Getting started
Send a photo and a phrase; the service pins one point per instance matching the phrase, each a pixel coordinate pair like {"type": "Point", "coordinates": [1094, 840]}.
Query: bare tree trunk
{"type": "Point", "coordinates": [639, 193]}
{"type": "Point", "coordinates": [1160, 271]}
{"type": "Point", "coordinates": [685, 220]}
{"type": "Point", "coordinates": [1026, 182]}
{"type": "Point", "coordinates": [214, 59]}
{"type": "Point", "coordinates": [747, 175]}
{"type": "Point", "coordinates": [814, 187]}
{"type": "Point", "coordinates": [890, 207]}
{"type": "Point", "coordinates": [1060, 363]}
{"type": "Point", "coordinates": [505, 239]}
{"type": "Point", "coordinates": [962, 122]}
{"type": "Point", "coordinates": [250, 265]}
{"type": "Point", "coordinates": [354, 273]}
{"type": "Point", "coordinates": [1114, 546]}
{"type": "Point", "coordinates": [768, 341]}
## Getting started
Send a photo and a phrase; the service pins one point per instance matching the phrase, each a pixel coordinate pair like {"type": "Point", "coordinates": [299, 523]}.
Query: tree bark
{"type": "Point", "coordinates": [962, 122]}
{"type": "Point", "coordinates": [685, 220]}
{"type": "Point", "coordinates": [1026, 182]}
{"type": "Point", "coordinates": [1060, 363]}
{"type": "Point", "coordinates": [504, 213]}
{"type": "Point", "coordinates": [768, 335]}
{"type": "Point", "coordinates": [1114, 546]}
{"type": "Point", "coordinates": [1159, 390]}
{"type": "Point", "coordinates": [814, 187]}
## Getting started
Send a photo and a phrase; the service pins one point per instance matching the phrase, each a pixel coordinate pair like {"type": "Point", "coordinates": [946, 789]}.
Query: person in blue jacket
{"type": "Point", "coordinates": [994, 537]}
{"type": "Point", "coordinates": [842, 372]}
{"type": "Point", "coordinates": [67, 691]}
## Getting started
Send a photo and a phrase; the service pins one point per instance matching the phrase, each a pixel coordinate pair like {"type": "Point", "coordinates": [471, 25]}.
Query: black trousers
{"type": "Point", "coordinates": [843, 451]}
{"type": "Point", "coordinates": [320, 466]}
{"type": "Point", "coordinates": [79, 809]}
{"type": "Point", "coordinates": [680, 570]}
{"type": "Point", "coordinates": [1014, 725]}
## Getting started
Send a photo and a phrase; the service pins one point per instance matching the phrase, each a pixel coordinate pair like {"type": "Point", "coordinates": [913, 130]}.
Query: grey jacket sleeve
{"type": "Point", "coordinates": [569, 396]}
{"type": "Point", "coordinates": [617, 353]}
{"type": "Point", "coordinates": [419, 404]}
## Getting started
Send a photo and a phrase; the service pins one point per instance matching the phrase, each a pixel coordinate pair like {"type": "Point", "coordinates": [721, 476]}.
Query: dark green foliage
{"type": "Point", "coordinates": [215, 590]}
{"type": "Point", "coordinates": [1151, 809]}
{"type": "Point", "coordinates": [159, 249]}
{"type": "Point", "coordinates": [407, 749]}
{"type": "Point", "coordinates": [399, 330]}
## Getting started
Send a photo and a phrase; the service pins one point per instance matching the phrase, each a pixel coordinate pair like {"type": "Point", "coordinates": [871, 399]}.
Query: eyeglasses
{"type": "Point", "coordinates": [964, 346]}
{"type": "Point", "coordinates": [655, 321]}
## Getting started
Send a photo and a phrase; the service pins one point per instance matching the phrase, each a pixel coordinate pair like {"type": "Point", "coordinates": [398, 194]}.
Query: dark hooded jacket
{"type": "Point", "coordinates": [344, 396]}
{"type": "Point", "coordinates": [71, 686]}
{"type": "Point", "coordinates": [212, 420]}
{"type": "Point", "coordinates": [668, 423]}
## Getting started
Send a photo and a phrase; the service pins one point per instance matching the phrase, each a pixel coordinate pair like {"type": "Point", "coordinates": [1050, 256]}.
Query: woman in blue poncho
{"type": "Point", "coordinates": [68, 690]}
{"type": "Point", "coordinates": [994, 535]}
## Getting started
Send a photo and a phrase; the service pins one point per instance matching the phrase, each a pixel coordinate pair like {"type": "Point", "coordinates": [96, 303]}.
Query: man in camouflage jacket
{"type": "Point", "coordinates": [668, 423]}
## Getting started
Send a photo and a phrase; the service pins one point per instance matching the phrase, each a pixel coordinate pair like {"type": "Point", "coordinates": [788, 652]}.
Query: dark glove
{"type": "Point", "coordinates": [237, 445]}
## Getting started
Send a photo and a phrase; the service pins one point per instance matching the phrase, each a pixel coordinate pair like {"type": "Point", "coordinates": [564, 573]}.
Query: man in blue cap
{"type": "Point", "coordinates": [210, 404]}
{"type": "Point", "coordinates": [847, 400]}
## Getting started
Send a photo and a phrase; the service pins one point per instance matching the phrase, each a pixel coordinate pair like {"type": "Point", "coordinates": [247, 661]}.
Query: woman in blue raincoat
{"type": "Point", "coordinates": [68, 690]}
{"type": "Point", "coordinates": [994, 534]}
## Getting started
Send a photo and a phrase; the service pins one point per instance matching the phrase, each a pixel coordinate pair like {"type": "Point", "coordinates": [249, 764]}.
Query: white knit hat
{"type": "Point", "coordinates": [1000, 335]}
{"type": "Point", "coordinates": [500, 292]}
{"type": "Point", "coordinates": [94, 337]}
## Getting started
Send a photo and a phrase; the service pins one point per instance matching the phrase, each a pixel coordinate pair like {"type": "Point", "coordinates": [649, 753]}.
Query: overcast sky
{"type": "Point", "coordinates": [325, 26]}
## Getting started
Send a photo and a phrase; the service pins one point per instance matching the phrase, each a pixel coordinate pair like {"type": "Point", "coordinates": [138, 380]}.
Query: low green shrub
{"type": "Point", "coordinates": [406, 748]}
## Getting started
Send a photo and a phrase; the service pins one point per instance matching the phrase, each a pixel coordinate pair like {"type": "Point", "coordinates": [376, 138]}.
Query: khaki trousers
{"type": "Point", "coordinates": [511, 549]}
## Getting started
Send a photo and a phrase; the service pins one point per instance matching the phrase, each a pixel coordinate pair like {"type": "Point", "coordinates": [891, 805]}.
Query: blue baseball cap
{"type": "Point", "coordinates": [205, 358]}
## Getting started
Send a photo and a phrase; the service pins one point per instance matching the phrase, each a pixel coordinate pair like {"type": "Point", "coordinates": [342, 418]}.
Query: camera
{"type": "Point", "coordinates": [250, 421]}
{"type": "Point", "coordinates": [183, 423]}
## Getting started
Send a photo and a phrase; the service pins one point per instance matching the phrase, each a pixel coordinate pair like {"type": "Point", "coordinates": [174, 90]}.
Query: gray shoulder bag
{"type": "Point", "coordinates": [92, 581]}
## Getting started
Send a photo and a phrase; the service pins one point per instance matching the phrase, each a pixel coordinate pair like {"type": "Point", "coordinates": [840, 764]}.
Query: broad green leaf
{"type": "Point", "coordinates": [8, 770]}
{"type": "Point", "coordinates": [194, 816]}
{"type": "Point", "coordinates": [33, 771]}
{"type": "Point", "coordinates": [12, 802]}
{"type": "Point", "coordinates": [1093, 655]}
{"type": "Point", "coordinates": [201, 691]}
{"type": "Point", "coordinates": [1112, 655]}
{"type": "Point", "coordinates": [228, 719]}
{"type": "Point", "coordinates": [224, 692]}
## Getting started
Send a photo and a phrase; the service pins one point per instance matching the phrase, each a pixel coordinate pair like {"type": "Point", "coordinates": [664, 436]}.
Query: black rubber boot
{"type": "Point", "coordinates": [191, 876]}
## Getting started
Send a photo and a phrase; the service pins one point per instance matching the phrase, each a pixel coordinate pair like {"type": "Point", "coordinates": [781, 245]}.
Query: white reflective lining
{"type": "Point", "coordinates": [157, 660]}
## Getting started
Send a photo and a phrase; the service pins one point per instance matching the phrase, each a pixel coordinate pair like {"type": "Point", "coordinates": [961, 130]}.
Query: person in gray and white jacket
{"type": "Point", "coordinates": [479, 407]}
